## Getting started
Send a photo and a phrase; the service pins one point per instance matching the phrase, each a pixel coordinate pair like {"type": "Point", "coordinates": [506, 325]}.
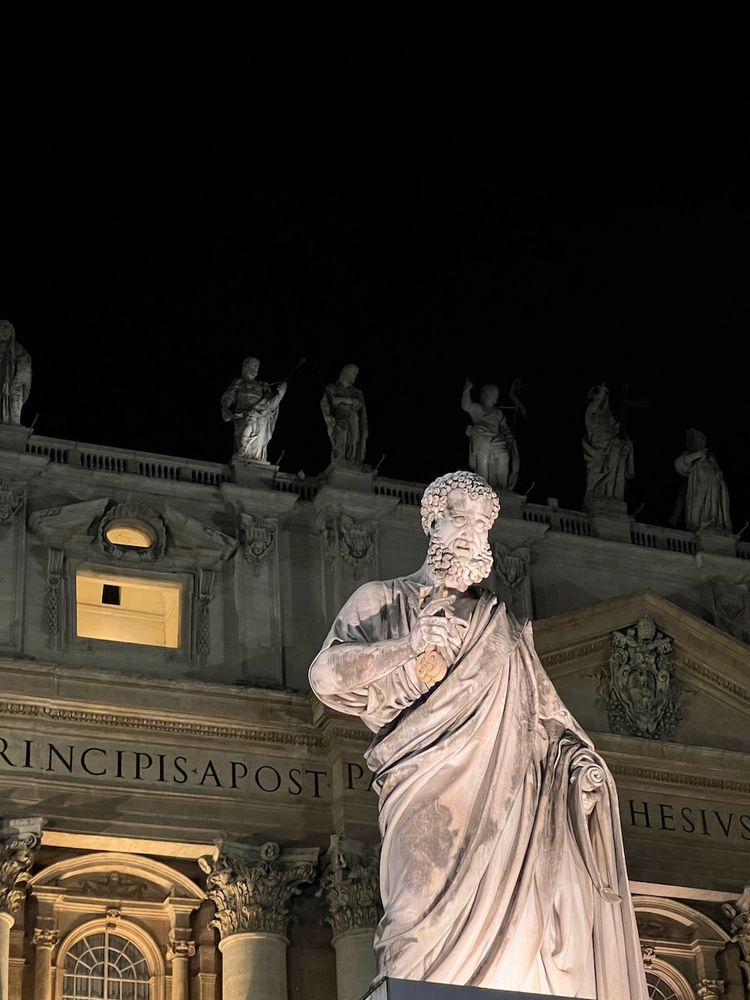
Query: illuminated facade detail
{"type": "Point", "coordinates": [105, 965]}
{"type": "Point", "coordinates": [132, 532]}
{"type": "Point", "coordinates": [128, 609]}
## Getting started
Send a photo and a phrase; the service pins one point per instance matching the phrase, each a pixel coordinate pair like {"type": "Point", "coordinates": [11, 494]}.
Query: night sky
{"type": "Point", "coordinates": [138, 303]}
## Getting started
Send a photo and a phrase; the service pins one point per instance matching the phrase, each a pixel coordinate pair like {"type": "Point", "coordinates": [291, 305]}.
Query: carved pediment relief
{"type": "Point", "coordinates": [115, 876]}
{"type": "Point", "coordinates": [85, 528]}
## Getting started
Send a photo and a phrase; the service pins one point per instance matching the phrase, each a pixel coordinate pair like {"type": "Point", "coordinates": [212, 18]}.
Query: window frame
{"type": "Point", "coordinates": [131, 932]}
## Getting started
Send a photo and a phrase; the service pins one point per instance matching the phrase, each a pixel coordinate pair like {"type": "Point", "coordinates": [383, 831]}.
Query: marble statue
{"type": "Point", "coordinates": [706, 499]}
{"type": "Point", "coordinates": [15, 375]}
{"type": "Point", "coordinates": [607, 450]}
{"type": "Point", "coordinates": [345, 414]}
{"type": "Point", "coordinates": [493, 453]}
{"type": "Point", "coordinates": [502, 862]}
{"type": "Point", "coordinates": [254, 407]}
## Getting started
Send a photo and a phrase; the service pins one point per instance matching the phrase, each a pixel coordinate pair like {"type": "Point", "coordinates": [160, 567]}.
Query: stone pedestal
{"type": "Point", "coordinates": [13, 437]}
{"type": "Point", "coordinates": [254, 966]}
{"type": "Point", "coordinates": [403, 989]}
{"type": "Point", "coordinates": [609, 519]}
{"type": "Point", "coordinates": [720, 543]}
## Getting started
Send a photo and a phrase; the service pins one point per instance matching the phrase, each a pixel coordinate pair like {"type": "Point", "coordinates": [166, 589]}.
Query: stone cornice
{"type": "Point", "coordinates": [679, 778]}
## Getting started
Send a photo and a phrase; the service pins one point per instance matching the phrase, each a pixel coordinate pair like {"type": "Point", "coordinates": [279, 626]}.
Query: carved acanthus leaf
{"type": "Point", "coordinates": [252, 887]}
{"type": "Point", "coordinates": [16, 859]}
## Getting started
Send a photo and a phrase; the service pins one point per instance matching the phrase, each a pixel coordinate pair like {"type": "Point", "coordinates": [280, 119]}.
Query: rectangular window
{"type": "Point", "coordinates": [127, 609]}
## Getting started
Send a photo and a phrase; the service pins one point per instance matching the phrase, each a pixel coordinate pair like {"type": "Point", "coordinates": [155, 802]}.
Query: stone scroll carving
{"type": "Point", "coordinates": [55, 565]}
{"type": "Point", "coordinates": [206, 579]}
{"type": "Point", "coordinates": [257, 539]}
{"type": "Point", "coordinates": [45, 937]}
{"type": "Point", "coordinates": [353, 539]}
{"type": "Point", "coordinates": [350, 886]}
{"type": "Point", "coordinates": [17, 852]}
{"type": "Point", "coordinates": [253, 886]}
{"type": "Point", "coordinates": [638, 686]}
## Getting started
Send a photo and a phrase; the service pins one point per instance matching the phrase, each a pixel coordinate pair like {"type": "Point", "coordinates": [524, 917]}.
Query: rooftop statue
{"type": "Point", "coordinates": [608, 452]}
{"type": "Point", "coordinates": [15, 375]}
{"type": "Point", "coordinates": [493, 453]}
{"type": "Point", "coordinates": [254, 407]}
{"type": "Point", "coordinates": [345, 414]}
{"type": "Point", "coordinates": [502, 862]}
{"type": "Point", "coordinates": [705, 500]}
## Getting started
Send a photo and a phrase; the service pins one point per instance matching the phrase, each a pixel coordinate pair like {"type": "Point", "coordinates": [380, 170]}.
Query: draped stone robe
{"type": "Point", "coordinates": [495, 869]}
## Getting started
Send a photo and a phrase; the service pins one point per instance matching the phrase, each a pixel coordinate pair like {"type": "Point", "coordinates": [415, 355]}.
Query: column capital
{"type": "Point", "coordinates": [351, 885]}
{"type": "Point", "coordinates": [178, 948]}
{"type": "Point", "coordinates": [251, 887]}
{"type": "Point", "coordinates": [19, 840]}
{"type": "Point", "coordinates": [45, 937]}
{"type": "Point", "coordinates": [710, 989]}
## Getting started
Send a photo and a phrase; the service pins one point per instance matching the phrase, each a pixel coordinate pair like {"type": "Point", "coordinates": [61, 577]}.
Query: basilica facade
{"type": "Point", "coordinates": [182, 820]}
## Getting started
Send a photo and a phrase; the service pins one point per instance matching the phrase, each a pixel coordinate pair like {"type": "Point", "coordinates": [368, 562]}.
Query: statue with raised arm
{"type": "Point", "coordinates": [254, 407]}
{"type": "Point", "coordinates": [706, 500]}
{"type": "Point", "coordinates": [502, 863]}
{"type": "Point", "coordinates": [608, 452]}
{"type": "Point", "coordinates": [493, 453]}
{"type": "Point", "coordinates": [15, 375]}
{"type": "Point", "coordinates": [345, 414]}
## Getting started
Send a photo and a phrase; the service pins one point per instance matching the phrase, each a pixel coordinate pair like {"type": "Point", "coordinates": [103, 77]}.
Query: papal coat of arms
{"type": "Point", "coordinates": [638, 686]}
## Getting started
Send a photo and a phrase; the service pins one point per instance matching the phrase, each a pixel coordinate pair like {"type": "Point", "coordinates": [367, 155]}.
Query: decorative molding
{"type": "Point", "coordinates": [638, 687]}
{"type": "Point", "coordinates": [12, 500]}
{"type": "Point", "coordinates": [352, 539]}
{"type": "Point", "coordinates": [576, 652]}
{"type": "Point", "coordinates": [257, 539]}
{"type": "Point", "coordinates": [112, 886]}
{"type": "Point", "coordinates": [16, 858]}
{"type": "Point", "coordinates": [55, 573]}
{"type": "Point", "coordinates": [206, 579]}
{"type": "Point", "coordinates": [252, 887]}
{"type": "Point", "coordinates": [179, 727]}
{"type": "Point", "coordinates": [688, 663]}
{"type": "Point", "coordinates": [112, 915]}
{"type": "Point", "coordinates": [648, 954]}
{"type": "Point", "coordinates": [675, 778]}
{"type": "Point", "coordinates": [350, 886]}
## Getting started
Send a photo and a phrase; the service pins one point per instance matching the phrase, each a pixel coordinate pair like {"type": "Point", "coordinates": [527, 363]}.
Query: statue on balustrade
{"type": "Point", "coordinates": [502, 861]}
{"type": "Point", "coordinates": [608, 452]}
{"type": "Point", "coordinates": [253, 405]}
{"type": "Point", "coordinates": [345, 414]}
{"type": "Point", "coordinates": [493, 453]}
{"type": "Point", "coordinates": [15, 375]}
{"type": "Point", "coordinates": [705, 499]}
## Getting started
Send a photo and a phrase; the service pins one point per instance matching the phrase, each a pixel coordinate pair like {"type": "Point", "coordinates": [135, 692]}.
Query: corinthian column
{"type": "Point", "coordinates": [351, 888]}
{"type": "Point", "coordinates": [251, 888]}
{"type": "Point", "coordinates": [19, 840]}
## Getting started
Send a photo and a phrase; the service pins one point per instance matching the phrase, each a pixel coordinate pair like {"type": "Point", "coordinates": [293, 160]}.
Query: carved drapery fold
{"type": "Point", "coordinates": [252, 887]}
{"type": "Point", "coordinates": [350, 886]}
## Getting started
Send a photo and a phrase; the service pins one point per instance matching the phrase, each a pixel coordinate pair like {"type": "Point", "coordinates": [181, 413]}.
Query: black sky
{"type": "Point", "coordinates": [138, 302]}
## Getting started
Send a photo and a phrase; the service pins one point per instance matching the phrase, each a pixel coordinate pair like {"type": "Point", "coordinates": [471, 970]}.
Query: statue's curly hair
{"type": "Point", "coordinates": [435, 497]}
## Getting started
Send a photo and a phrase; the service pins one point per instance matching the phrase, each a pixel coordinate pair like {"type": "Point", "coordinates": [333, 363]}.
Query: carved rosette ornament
{"type": "Point", "coordinates": [251, 887]}
{"type": "Point", "coordinates": [351, 886]}
{"type": "Point", "coordinates": [638, 686]}
{"type": "Point", "coordinates": [11, 502]}
{"type": "Point", "coordinates": [739, 926]}
{"type": "Point", "coordinates": [16, 859]}
{"type": "Point", "coordinates": [257, 539]}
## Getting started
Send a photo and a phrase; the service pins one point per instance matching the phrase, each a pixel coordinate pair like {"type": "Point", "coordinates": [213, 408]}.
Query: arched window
{"type": "Point", "coordinates": [105, 966]}
{"type": "Point", "coordinates": [659, 989]}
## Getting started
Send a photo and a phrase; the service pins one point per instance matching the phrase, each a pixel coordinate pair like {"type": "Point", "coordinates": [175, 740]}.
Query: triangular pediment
{"type": "Point", "coordinates": [699, 679]}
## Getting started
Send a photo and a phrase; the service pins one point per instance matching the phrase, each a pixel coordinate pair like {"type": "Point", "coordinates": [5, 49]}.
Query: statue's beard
{"type": "Point", "coordinates": [456, 569]}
